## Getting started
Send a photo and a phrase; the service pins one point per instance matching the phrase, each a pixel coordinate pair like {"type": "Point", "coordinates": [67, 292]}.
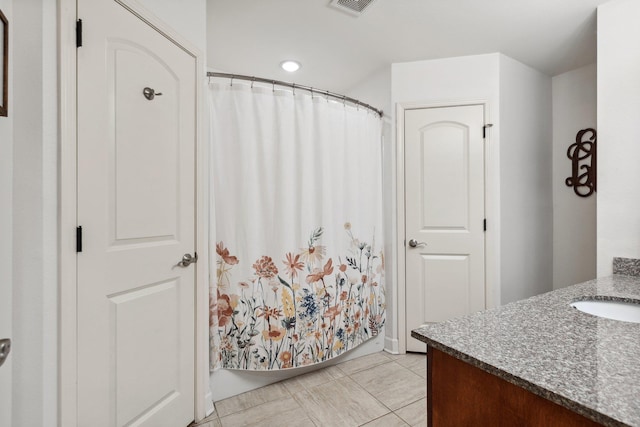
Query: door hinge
{"type": "Point", "coordinates": [484, 130]}
{"type": "Point", "coordinates": [484, 224]}
{"type": "Point", "coordinates": [79, 239]}
{"type": "Point", "coordinates": [79, 33]}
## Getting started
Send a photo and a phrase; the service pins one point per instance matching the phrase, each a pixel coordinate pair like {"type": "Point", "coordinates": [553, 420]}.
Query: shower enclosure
{"type": "Point", "coordinates": [296, 223]}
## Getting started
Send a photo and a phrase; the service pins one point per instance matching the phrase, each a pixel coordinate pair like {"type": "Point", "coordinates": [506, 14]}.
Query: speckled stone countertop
{"type": "Point", "coordinates": [588, 364]}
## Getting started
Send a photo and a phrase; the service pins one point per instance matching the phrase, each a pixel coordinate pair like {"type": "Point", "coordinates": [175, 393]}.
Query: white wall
{"type": "Point", "coordinates": [186, 17]}
{"type": "Point", "coordinates": [444, 80]}
{"type": "Point", "coordinates": [34, 198]}
{"type": "Point", "coordinates": [6, 215]}
{"type": "Point", "coordinates": [618, 132]}
{"type": "Point", "coordinates": [526, 211]}
{"type": "Point", "coordinates": [375, 90]}
{"type": "Point", "coordinates": [574, 218]}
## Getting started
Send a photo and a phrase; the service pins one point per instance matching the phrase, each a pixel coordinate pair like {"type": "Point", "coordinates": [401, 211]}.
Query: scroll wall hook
{"type": "Point", "coordinates": [150, 93]}
{"type": "Point", "coordinates": [583, 157]}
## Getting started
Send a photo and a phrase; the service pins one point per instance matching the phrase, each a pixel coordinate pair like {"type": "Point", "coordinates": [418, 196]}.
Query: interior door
{"type": "Point", "coordinates": [136, 207]}
{"type": "Point", "coordinates": [444, 215]}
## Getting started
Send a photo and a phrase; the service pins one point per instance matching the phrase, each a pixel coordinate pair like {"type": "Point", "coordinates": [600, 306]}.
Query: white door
{"type": "Point", "coordinates": [136, 206]}
{"type": "Point", "coordinates": [444, 215]}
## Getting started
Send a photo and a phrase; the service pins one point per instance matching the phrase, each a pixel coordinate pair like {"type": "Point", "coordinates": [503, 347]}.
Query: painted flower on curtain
{"type": "Point", "coordinates": [304, 309]}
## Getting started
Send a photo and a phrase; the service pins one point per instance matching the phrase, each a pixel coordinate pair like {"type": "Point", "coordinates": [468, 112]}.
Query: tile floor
{"type": "Point", "coordinates": [378, 390]}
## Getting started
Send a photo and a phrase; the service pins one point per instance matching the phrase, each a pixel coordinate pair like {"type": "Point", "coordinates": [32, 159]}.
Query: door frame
{"type": "Point", "coordinates": [492, 209]}
{"type": "Point", "coordinates": [67, 315]}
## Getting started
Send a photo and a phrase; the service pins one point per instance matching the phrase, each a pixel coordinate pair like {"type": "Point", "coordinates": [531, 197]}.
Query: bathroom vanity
{"type": "Point", "coordinates": [538, 361]}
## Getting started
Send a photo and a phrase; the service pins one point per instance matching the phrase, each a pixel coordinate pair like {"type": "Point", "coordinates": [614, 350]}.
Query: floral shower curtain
{"type": "Point", "coordinates": [296, 228]}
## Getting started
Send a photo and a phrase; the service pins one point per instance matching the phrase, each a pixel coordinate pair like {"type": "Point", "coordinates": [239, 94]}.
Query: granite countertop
{"type": "Point", "coordinates": [585, 363]}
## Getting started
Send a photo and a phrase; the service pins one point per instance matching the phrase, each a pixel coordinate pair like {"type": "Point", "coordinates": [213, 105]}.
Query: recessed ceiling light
{"type": "Point", "coordinates": [290, 66]}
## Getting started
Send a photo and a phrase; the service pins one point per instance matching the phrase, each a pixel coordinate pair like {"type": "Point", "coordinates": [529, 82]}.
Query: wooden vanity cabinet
{"type": "Point", "coordinates": [459, 394]}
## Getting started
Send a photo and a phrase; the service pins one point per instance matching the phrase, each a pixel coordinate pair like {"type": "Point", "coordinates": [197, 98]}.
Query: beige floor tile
{"type": "Point", "coordinates": [392, 384]}
{"type": "Point", "coordinates": [364, 362]}
{"type": "Point", "coordinates": [414, 414]}
{"type": "Point", "coordinates": [277, 413]}
{"type": "Point", "coordinates": [421, 371]}
{"type": "Point", "coordinates": [207, 422]}
{"type": "Point", "coordinates": [307, 381]}
{"type": "Point", "coordinates": [416, 362]}
{"type": "Point", "coordinates": [340, 402]}
{"type": "Point", "coordinates": [393, 356]}
{"type": "Point", "coordinates": [335, 371]}
{"type": "Point", "coordinates": [211, 421]}
{"type": "Point", "coordinates": [389, 420]}
{"type": "Point", "coordinates": [410, 360]}
{"type": "Point", "coordinates": [252, 398]}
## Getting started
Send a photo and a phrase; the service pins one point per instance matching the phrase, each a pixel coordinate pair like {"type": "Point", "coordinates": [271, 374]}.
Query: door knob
{"type": "Point", "coordinates": [150, 93]}
{"type": "Point", "coordinates": [188, 259]}
{"type": "Point", "coordinates": [5, 348]}
{"type": "Point", "coordinates": [414, 243]}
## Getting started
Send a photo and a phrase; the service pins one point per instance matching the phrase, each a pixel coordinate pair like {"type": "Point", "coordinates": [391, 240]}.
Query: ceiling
{"type": "Point", "coordinates": [337, 51]}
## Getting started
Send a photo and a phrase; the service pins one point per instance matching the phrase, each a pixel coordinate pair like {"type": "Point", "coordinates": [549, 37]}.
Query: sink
{"type": "Point", "coordinates": [616, 310]}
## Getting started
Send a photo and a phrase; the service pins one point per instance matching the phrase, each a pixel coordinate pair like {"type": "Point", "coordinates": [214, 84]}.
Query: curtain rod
{"type": "Point", "coordinates": [294, 86]}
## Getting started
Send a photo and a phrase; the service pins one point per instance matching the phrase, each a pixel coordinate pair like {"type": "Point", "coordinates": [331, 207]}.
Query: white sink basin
{"type": "Point", "coordinates": [616, 310]}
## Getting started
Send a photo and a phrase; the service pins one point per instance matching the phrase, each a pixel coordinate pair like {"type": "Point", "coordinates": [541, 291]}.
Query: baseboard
{"type": "Point", "coordinates": [208, 398]}
{"type": "Point", "coordinates": [391, 345]}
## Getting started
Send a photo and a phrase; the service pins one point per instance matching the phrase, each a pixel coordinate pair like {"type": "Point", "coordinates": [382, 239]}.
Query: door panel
{"type": "Point", "coordinates": [446, 205]}
{"type": "Point", "coordinates": [140, 346]}
{"type": "Point", "coordinates": [443, 299]}
{"type": "Point", "coordinates": [146, 146]}
{"type": "Point", "coordinates": [136, 204]}
{"type": "Point", "coordinates": [444, 214]}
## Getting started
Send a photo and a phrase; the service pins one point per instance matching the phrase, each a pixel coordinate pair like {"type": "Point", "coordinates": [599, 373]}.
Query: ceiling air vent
{"type": "Point", "coordinates": [352, 7]}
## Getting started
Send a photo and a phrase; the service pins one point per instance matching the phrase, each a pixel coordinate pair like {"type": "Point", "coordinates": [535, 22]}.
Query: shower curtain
{"type": "Point", "coordinates": [296, 227]}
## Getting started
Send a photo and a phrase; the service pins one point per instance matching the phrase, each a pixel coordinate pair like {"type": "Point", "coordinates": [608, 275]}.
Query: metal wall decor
{"type": "Point", "coordinates": [583, 163]}
{"type": "Point", "coordinates": [4, 65]}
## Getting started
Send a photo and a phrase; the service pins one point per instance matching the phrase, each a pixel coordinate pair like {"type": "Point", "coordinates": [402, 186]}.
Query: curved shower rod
{"type": "Point", "coordinates": [294, 86]}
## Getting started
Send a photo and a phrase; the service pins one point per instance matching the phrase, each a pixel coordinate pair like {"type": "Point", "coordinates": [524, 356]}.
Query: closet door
{"type": "Point", "coordinates": [444, 215]}
{"type": "Point", "coordinates": [136, 207]}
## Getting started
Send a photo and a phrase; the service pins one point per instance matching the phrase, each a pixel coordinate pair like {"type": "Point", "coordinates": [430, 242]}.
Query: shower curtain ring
{"type": "Point", "coordinates": [327, 96]}
{"type": "Point", "coordinates": [344, 101]}
{"type": "Point", "coordinates": [232, 76]}
{"type": "Point", "coordinates": [293, 85]}
{"type": "Point", "coordinates": [253, 79]}
{"type": "Point", "coordinates": [273, 85]}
